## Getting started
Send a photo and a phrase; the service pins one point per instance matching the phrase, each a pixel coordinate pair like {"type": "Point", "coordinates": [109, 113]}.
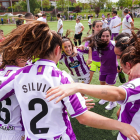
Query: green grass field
{"type": "Point", "coordinates": [83, 132]}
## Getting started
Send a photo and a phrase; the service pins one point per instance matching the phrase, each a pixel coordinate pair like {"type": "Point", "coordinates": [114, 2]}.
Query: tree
{"type": "Point", "coordinates": [20, 6]}
{"type": "Point", "coordinates": [77, 9]}
{"type": "Point", "coordinates": [137, 2]}
{"type": "Point", "coordinates": [46, 4]}
{"type": "Point", "coordinates": [97, 10]}
{"type": "Point", "coordinates": [37, 10]}
{"type": "Point", "coordinates": [125, 3]}
{"type": "Point", "coordinates": [63, 4]}
{"type": "Point", "coordinates": [33, 5]}
{"type": "Point", "coordinates": [54, 12]}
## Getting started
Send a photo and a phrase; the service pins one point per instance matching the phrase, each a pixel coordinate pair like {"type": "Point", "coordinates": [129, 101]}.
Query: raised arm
{"type": "Point", "coordinates": [110, 93]}
{"type": "Point", "coordinates": [118, 25]}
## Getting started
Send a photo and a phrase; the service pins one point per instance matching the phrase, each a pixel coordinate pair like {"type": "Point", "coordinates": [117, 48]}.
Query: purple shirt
{"type": "Point", "coordinates": [130, 107]}
{"type": "Point", "coordinates": [108, 60]}
{"type": "Point", "coordinates": [109, 20]}
{"type": "Point", "coordinates": [95, 56]}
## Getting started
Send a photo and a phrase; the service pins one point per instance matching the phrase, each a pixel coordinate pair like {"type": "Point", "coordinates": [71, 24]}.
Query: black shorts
{"type": "Point", "coordinates": [78, 36]}
{"type": "Point", "coordinates": [89, 26]}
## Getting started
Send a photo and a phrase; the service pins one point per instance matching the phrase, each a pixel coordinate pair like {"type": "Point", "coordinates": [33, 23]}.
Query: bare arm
{"type": "Point", "coordinates": [132, 25]}
{"type": "Point", "coordinates": [60, 28]}
{"type": "Point", "coordinates": [110, 93]}
{"type": "Point", "coordinates": [82, 29]}
{"type": "Point", "coordinates": [118, 25]}
{"type": "Point", "coordinates": [97, 121]}
{"type": "Point", "coordinates": [89, 61]}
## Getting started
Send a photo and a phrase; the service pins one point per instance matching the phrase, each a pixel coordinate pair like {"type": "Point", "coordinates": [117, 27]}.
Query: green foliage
{"type": "Point", "coordinates": [63, 4]}
{"type": "Point", "coordinates": [137, 2]}
{"type": "Point", "coordinates": [66, 13]}
{"type": "Point", "coordinates": [33, 5]}
{"type": "Point", "coordinates": [46, 4]}
{"type": "Point", "coordinates": [125, 3]}
{"type": "Point", "coordinates": [20, 6]}
{"type": "Point", "coordinates": [37, 10]}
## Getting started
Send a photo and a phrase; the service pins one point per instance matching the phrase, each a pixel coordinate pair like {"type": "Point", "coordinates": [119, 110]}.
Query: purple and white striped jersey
{"type": "Point", "coordinates": [43, 120]}
{"type": "Point", "coordinates": [130, 107]}
{"type": "Point", "coordinates": [76, 65]}
{"type": "Point", "coordinates": [10, 114]}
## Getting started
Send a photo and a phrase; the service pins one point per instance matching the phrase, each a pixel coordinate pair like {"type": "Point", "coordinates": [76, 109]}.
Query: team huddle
{"type": "Point", "coordinates": [35, 95]}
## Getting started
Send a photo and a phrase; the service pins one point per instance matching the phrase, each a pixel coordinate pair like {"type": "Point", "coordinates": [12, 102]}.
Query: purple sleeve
{"type": "Point", "coordinates": [7, 87]}
{"type": "Point", "coordinates": [86, 44]}
{"type": "Point", "coordinates": [132, 89]}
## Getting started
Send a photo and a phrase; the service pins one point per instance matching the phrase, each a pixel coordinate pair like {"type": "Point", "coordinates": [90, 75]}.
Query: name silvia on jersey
{"type": "Point", "coordinates": [35, 87]}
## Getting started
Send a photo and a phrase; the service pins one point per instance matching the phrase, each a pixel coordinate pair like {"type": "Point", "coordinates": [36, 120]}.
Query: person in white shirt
{"type": "Point", "coordinates": [59, 26]}
{"type": "Point", "coordinates": [78, 31]}
{"type": "Point", "coordinates": [43, 18]}
{"type": "Point", "coordinates": [29, 17]}
{"type": "Point", "coordinates": [89, 23]}
{"type": "Point", "coordinates": [104, 21]}
{"type": "Point", "coordinates": [36, 17]}
{"type": "Point", "coordinates": [43, 119]}
{"type": "Point", "coordinates": [127, 23]}
{"type": "Point", "coordinates": [114, 21]}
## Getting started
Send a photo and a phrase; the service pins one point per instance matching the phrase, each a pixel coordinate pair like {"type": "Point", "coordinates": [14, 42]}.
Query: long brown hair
{"type": "Point", "coordinates": [96, 42]}
{"type": "Point", "coordinates": [132, 52]}
{"type": "Point", "coordinates": [34, 39]}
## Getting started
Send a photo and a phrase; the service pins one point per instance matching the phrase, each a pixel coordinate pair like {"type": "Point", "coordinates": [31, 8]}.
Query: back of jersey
{"type": "Point", "coordinates": [10, 113]}
{"type": "Point", "coordinates": [44, 120]}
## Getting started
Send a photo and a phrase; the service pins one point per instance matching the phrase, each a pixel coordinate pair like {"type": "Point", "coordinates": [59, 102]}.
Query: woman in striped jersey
{"type": "Point", "coordinates": [128, 95]}
{"type": "Point", "coordinates": [44, 120]}
{"type": "Point", "coordinates": [11, 126]}
{"type": "Point", "coordinates": [76, 65]}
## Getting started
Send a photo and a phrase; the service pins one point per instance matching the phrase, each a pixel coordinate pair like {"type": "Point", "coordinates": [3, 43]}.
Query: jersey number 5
{"type": "Point", "coordinates": [7, 115]}
{"type": "Point", "coordinates": [39, 116]}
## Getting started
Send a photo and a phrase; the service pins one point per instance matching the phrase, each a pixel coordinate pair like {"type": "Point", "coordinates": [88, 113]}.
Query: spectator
{"type": "Point", "coordinates": [19, 21]}
{"type": "Point", "coordinates": [85, 16]}
{"type": "Point", "coordinates": [1, 36]}
{"type": "Point", "coordinates": [127, 22]}
{"type": "Point", "coordinates": [108, 19]}
{"type": "Point", "coordinates": [43, 18]}
{"type": "Point", "coordinates": [36, 17]}
{"type": "Point", "coordinates": [2, 21]}
{"type": "Point", "coordinates": [59, 26]}
{"type": "Point", "coordinates": [28, 16]}
{"type": "Point", "coordinates": [104, 21]}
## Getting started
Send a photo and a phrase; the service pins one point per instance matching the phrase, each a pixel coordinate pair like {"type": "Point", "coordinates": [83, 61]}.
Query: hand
{"type": "Point", "coordinates": [134, 72]}
{"type": "Point", "coordinates": [88, 104]}
{"type": "Point", "coordinates": [129, 131]}
{"type": "Point", "coordinates": [62, 91]}
{"type": "Point", "coordinates": [119, 70]}
{"type": "Point", "coordinates": [23, 137]}
{"type": "Point", "coordinates": [74, 52]}
{"type": "Point", "coordinates": [81, 47]}
{"type": "Point", "coordinates": [114, 27]}
{"type": "Point", "coordinates": [89, 61]}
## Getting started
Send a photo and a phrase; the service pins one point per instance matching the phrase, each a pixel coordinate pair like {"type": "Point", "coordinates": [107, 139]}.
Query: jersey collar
{"type": "Point", "coordinates": [45, 62]}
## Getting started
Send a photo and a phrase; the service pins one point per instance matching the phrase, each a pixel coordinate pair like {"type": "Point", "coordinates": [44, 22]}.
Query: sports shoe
{"type": "Point", "coordinates": [101, 102]}
{"type": "Point", "coordinates": [111, 105]}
